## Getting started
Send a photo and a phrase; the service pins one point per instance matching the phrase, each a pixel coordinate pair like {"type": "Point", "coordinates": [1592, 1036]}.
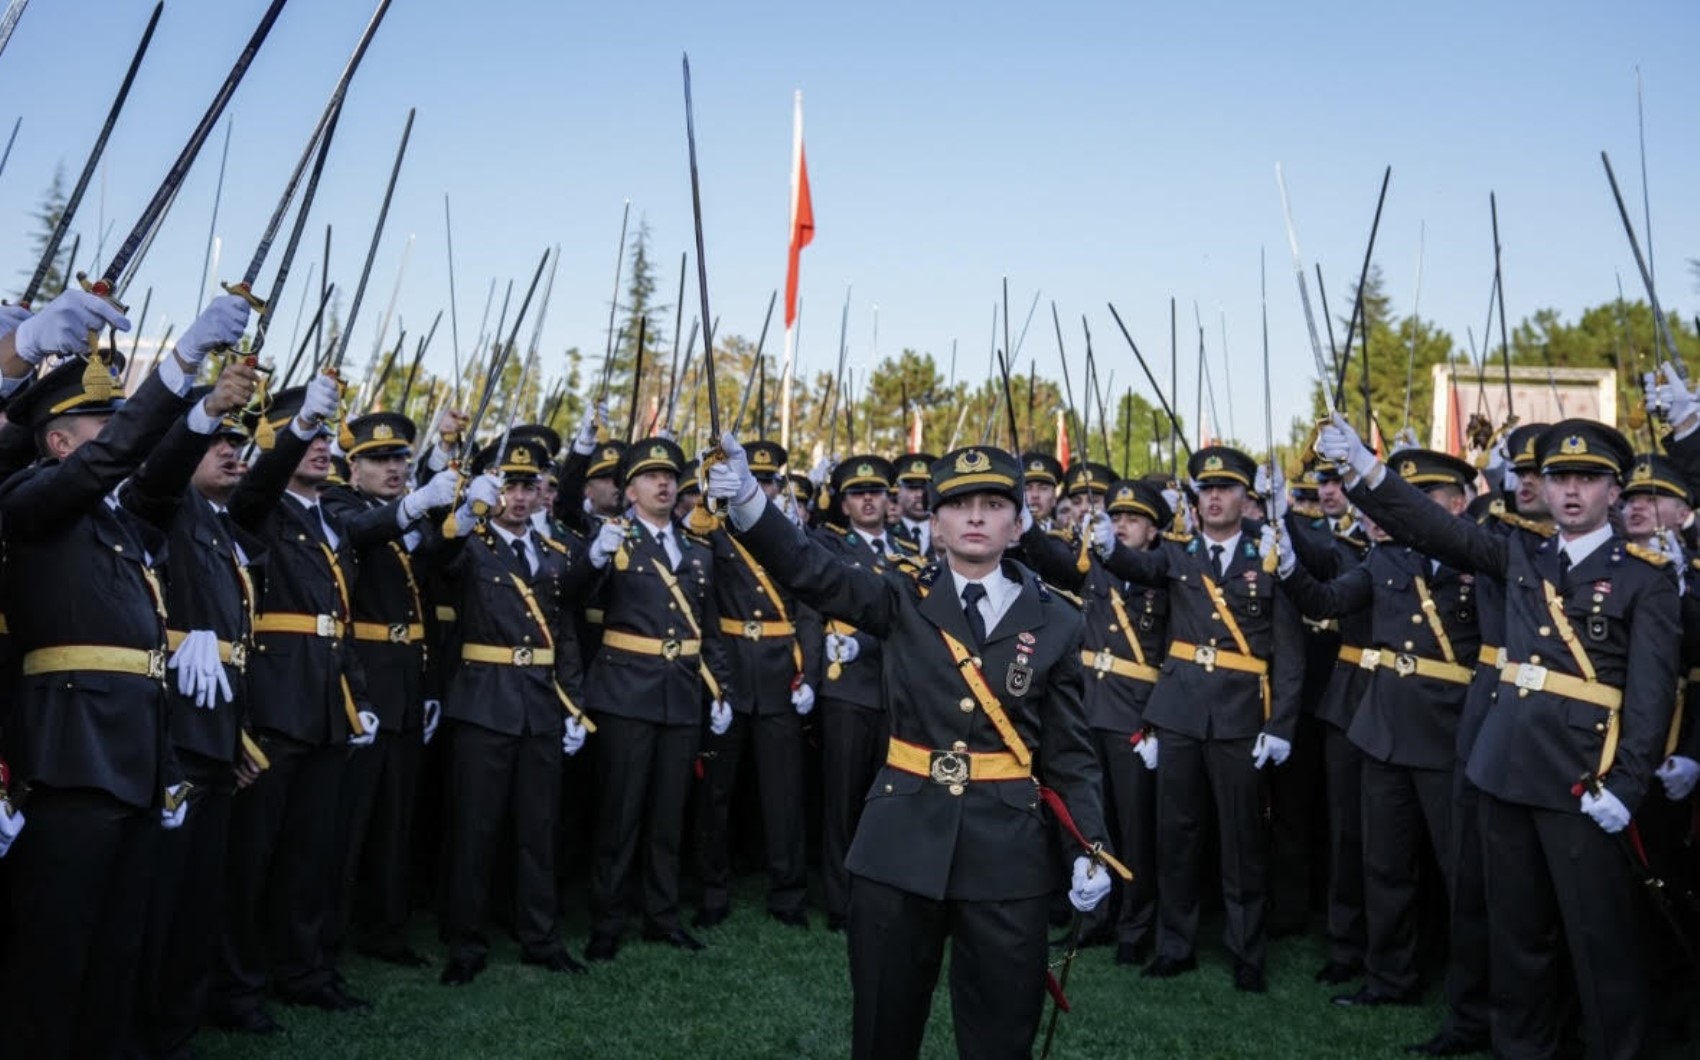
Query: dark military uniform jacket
{"type": "Point", "coordinates": [1332, 647]}
{"type": "Point", "coordinates": [755, 610]}
{"type": "Point", "coordinates": [1535, 742]}
{"type": "Point", "coordinates": [983, 840]}
{"type": "Point", "coordinates": [1409, 712]}
{"type": "Point", "coordinates": [858, 683]}
{"type": "Point", "coordinates": [79, 572]}
{"type": "Point", "coordinates": [1218, 702]}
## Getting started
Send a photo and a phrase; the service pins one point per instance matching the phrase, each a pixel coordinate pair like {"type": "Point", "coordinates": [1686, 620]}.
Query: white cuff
{"type": "Point", "coordinates": [305, 434]}
{"type": "Point", "coordinates": [200, 420]}
{"type": "Point", "coordinates": [171, 373]}
{"type": "Point", "coordinates": [745, 513]}
{"type": "Point", "coordinates": [9, 384]}
{"type": "Point", "coordinates": [436, 459]}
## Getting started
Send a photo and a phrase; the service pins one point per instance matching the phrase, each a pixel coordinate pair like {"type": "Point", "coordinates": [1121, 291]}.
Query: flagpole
{"type": "Point", "coordinates": [799, 232]}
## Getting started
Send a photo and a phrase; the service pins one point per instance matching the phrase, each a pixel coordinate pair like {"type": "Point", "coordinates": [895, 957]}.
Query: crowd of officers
{"type": "Point", "coordinates": [278, 672]}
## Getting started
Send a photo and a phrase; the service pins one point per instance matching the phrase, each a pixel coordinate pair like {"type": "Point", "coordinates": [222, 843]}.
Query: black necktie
{"type": "Point", "coordinates": [520, 554]}
{"type": "Point", "coordinates": [317, 524]}
{"type": "Point", "coordinates": [1216, 559]}
{"type": "Point", "coordinates": [226, 524]}
{"type": "Point", "coordinates": [878, 545]}
{"type": "Point", "coordinates": [972, 594]}
{"type": "Point", "coordinates": [1563, 568]}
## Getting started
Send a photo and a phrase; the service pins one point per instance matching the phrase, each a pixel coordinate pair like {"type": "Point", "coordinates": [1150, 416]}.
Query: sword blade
{"type": "Point", "coordinates": [372, 250]}
{"type": "Point", "coordinates": [9, 21]}
{"type": "Point", "coordinates": [702, 266]}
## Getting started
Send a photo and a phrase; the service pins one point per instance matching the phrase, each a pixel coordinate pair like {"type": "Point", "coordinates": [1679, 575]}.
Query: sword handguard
{"type": "Point", "coordinates": [246, 293]}
{"type": "Point", "coordinates": [705, 518]}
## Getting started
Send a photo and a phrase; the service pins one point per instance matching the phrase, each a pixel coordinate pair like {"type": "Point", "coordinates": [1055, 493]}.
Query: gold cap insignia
{"type": "Point", "coordinates": [521, 456]}
{"type": "Point", "coordinates": [1642, 473]}
{"type": "Point", "coordinates": [383, 432]}
{"type": "Point", "coordinates": [658, 452]}
{"type": "Point", "coordinates": [761, 458]}
{"type": "Point", "coordinates": [1037, 465]}
{"type": "Point", "coordinates": [972, 462]}
{"type": "Point", "coordinates": [1124, 494]}
{"type": "Point", "coordinates": [865, 470]}
{"type": "Point", "coordinates": [1212, 463]}
{"type": "Point", "coordinates": [1407, 469]}
{"type": "Point", "coordinates": [610, 453]}
{"type": "Point", "coordinates": [1575, 445]}
{"type": "Point", "coordinates": [918, 467]}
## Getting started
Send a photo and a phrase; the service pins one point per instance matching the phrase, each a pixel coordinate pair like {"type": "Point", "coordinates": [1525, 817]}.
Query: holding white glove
{"type": "Point", "coordinates": [10, 317]}
{"type": "Point", "coordinates": [1607, 810]}
{"type": "Point", "coordinates": [572, 738]}
{"type": "Point", "coordinates": [1673, 398]}
{"type": "Point", "coordinates": [584, 440]}
{"type": "Point", "coordinates": [1267, 748]}
{"type": "Point", "coordinates": [1337, 441]}
{"type": "Point", "coordinates": [730, 480]}
{"type": "Point", "coordinates": [1272, 542]}
{"type": "Point", "coordinates": [320, 403]}
{"type": "Point", "coordinates": [1147, 749]}
{"type": "Point", "coordinates": [1275, 498]}
{"type": "Point", "coordinates": [433, 717]}
{"type": "Point", "coordinates": [437, 493]}
{"type": "Point", "coordinates": [63, 325]}
{"type": "Point", "coordinates": [219, 327]}
{"type": "Point", "coordinates": [1679, 775]}
{"type": "Point", "coordinates": [172, 815]}
{"type": "Point", "coordinates": [842, 648]}
{"type": "Point", "coordinates": [1089, 885]}
{"type": "Point", "coordinates": [11, 823]}
{"type": "Point", "coordinates": [608, 541]}
{"type": "Point", "coordinates": [200, 675]}
{"type": "Point", "coordinates": [803, 699]}
{"type": "Point", "coordinates": [369, 727]}
{"type": "Point", "coordinates": [719, 717]}
{"type": "Point", "coordinates": [822, 468]}
{"type": "Point", "coordinates": [1103, 535]}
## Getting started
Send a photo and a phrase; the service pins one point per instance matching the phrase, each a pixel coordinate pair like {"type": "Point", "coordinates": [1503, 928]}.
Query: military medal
{"type": "Point", "coordinates": [1020, 676]}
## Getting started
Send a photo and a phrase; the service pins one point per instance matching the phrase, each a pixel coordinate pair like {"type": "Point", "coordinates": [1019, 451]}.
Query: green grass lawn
{"type": "Point", "coordinates": [762, 990]}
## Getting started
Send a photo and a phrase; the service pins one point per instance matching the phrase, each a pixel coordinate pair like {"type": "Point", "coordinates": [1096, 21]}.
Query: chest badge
{"type": "Point", "coordinates": [1020, 677]}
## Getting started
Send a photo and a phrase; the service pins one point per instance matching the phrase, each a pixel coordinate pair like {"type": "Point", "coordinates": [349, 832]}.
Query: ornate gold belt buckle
{"type": "Point", "coordinates": [949, 768]}
{"type": "Point", "coordinates": [156, 665]}
{"type": "Point", "coordinates": [670, 649]}
{"type": "Point", "coordinates": [1404, 664]}
{"type": "Point", "coordinates": [1370, 659]}
{"type": "Point", "coordinates": [324, 625]}
{"type": "Point", "coordinates": [398, 632]}
{"type": "Point", "coordinates": [1205, 656]}
{"type": "Point", "coordinates": [523, 656]}
{"type": "Point", "coordinates": [752, 629]}
{"type": "Point", "coordinates": [1104, 661]}
{"type": "Point", "coordinates": [239, 657]}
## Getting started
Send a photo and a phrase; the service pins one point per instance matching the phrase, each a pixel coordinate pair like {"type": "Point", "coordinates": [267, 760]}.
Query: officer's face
{"type": "Point", "coordinates": [1134, 531]}
{"type": "Point", "coordinates": [866, 509]}
{"type": "Point", "coordinates": [1373, 529]}
{"type": "Point", "coordinates": [652, 493]}
{"type": "Point", "coordinates": [1531, 495]}
{"type": "Point", "coordinates": [315, 465]}
{"type": "Point", "coordinates": [546, 491]}
{"type": "Point", "coordinates": [912, 501]}
{"type": "Point", "coordinates": [1331, 495]}
{"type": "Point", "coordinates": [382, 475]}
{"type": "Point", "coordinates": [683, 504]}
{"type": "Point", "coordinates": [1067, 511]}
{"type": "Point", "coordinates": [603, 495]}
{"type": "Point", "coordinates": [1579, 500]}
{"type": "Point", "coordinates": [1645, 514]}
{"type": "Point", "coordinates": [519, 501]}
{"type": "Point", "coordinates": [219, 470]}
{"type": "Point", "coordinates": [1041, 499]}
{"type": "Point", "coordinates": [977, 528]}
{"type": "Point", "coordinates": [1221, 506]}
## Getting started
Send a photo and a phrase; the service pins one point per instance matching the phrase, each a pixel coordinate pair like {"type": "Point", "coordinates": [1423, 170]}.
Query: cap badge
{"type": "Point", "coordinates": [383, 432]}
{"type": "Point", "coordinates": [521, 456]}
{"type": "Point", "coordinates": [1575, 445]}
{"type": "Point", "coordinates": [1212, 463]}
{"type": "Point", "coordinates": [1643, 473]}
{"type": "Point", "coordinates": [658, 452]}
{"type": "Point", "coordinates": [972, 462]}
{"type": "Point", "coordinates": [1408, 469]}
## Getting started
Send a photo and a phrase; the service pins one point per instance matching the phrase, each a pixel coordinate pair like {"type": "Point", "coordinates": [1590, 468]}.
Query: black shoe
{"type": "Point", "coordinates": [835, 922]}
{"type": "Point", "coordinates": [404, 956]}
{"type": "Point", "coordinates": [790, 917]}
{"type": "Point", "coordinates": [1370, 998]}
{"type": "Point", "coordinates": [247, 1021]}
{"type": "Point", "coordinates": [330, 998]}
{"type": "Point", "coordinates": [678, 938]}
{"type": "Point", "coordinates": [1451, 1043]}
{"type": "Point", "coordinates": [1133, 952]}
{"type": "Point", "coordinates": [1169, 967]}
{"type": "Point", "coordinates": [601, 947]}
{"type": "Point", "coordinates": [559, 961]}
{"type": "Point", "coordinates": [711, 916]}
{"type": "Point", "coordinates": [1336, 972]}
{"type": "Point", "coordinates": [1248, 979]}
{"type": "Point", "coordinates": [460, 971]}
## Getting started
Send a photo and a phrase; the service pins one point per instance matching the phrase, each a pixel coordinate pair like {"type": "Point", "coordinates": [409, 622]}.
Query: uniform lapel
{"type": "Point", "coordinates": [943, 608]}
{"type": "Point", "coordinates": [1025, 614]}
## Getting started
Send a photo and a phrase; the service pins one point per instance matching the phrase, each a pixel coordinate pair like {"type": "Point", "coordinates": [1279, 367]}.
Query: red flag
{"type": "Point", "coordinates": [915, 429]}
{"type": "Point", "coordinates": [1063, 454]}
{"type": "Point", "coordinates": [802, 212]}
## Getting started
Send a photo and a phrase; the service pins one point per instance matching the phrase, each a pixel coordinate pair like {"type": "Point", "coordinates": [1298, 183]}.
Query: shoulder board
{"type": "Point", "coordinates": [1306, 511]}
{"type": "Point", "coordinates": [1646, 555]}
{"type": "Point", "coordinates": [1352, 539]}
{"type": "Point", "coordinates": [1522, 523]}
{"type": "Point", "coordinates": [1047, 587]}
{"type": "Point", "coordinates": [905, 546]}
{"type": "Point", "coordinates": [1062, 534]}
{"type": "Point", "coordinates": [695, 540]}
{"type": "Point", "coordinates": [1179, 539]}
{"type": "Point", "coordinates": [556, 545]}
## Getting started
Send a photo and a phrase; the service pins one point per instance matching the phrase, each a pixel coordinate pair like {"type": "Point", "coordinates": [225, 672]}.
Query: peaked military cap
{"type": "Point", "coordinates": [380, 433]}
{"type": "Point", "coordinates": [548, 436]}
{"type": "Point", "coordinates": [1585, 446]}
{"type": "Point", "coordinates": [766, 458]}
{"type": "Point", "coordinates": [1426, 467]}
{"type": "Point", "coordinates": [1088, 477]}
{"type": "Point", "coordinates": [915, 469]}
{"type": "Point", "coordinates": [605, 461]}
{"type": "Point", "coordinates": [803, 486]}
{"type": "Point", "coordinates": [524, 459]}
{"type": "Point", "coordinates": [1520, 443]}
{"type": "Point", "coordinates": [1138, 497]}
{"type": "Point", "coordinates": [78, 386]}
{"type": "Point", "coordinates": [1654, 473]}
{"type": "Point", "coordinates": [865, 473]}
{"type": "Point", "coordinates": [1220, 465]}
{"type": "Point", "coordinates": [1042, 467]}
{"type": "Point", "coordinates": [650, 454]}
{"type": "Point", "coordinates": [688, 478]}
{"type": "Point", "coordinates": [977, 469]}
{"type": "Point", "coordinates": [284, 406]}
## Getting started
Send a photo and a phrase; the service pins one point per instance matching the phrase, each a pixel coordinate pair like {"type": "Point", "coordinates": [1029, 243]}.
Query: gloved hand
{"type": "Point", "coordinates": [63, 325]}
{"type": "Point", "coordinates": [1405, 439]}
{"type": "Point", "coordinates": [803, 699]}
{"type": "Point", "coordinates": [1089, 886]}
{"type": "Point", "coordinates": [1672, 396]}
{"type": "Point", "coordinates": [219, 327]}
{"type": "Point", "coordinates": [437, 493]}
{"type": "Point", "coordinates": [433, 717]}
{"type": "Point", "coordinates": [1267, 748]}
{"type": "Point", "coordinates": [10, 317]}
{"type": "Point", "coordinates": [485, 490]}
{"type": "Point", "coordinates": [200, 675]}
{"type": "Point", "coordinates": [11, 823]}
{"type": "Point", "coordinates": [1678, 774]}
{"type": "Point", "coordinates": [584, 439]}
{"type": "Point", "coordinates": [572, 738]}
{"type": "Point", "coordinates": [1026, 518]}
{"type": "Point", "coordinates": [1147, 749]}
{"type": "Point", "coordinates": [608, 541]}
{"type": "Point", "coordinates": [323, 396]}
{"type": "Point", "coordinates": [719, 717]}
{"type": "Point", "coordinates": [170, 818]}
{"type": "Point", "coordinates": [368, 723]}
{"type": "Point", "coordinates": [667, 433]}
{"type": "Point", "coordinates": [1103, 535]}
{"type": "Point", "coordinates": [842, 648]}
{"type": "Point", "coordinates": [1337, 441]}
{"type": "Point", "coordinates": [823, 467]}
{"type": "Point", "coordinates": [730, 479]}
{"type": "Point", "coordinates": [1270, 540]}
{"type": "Point", "coordinates": [1607, 810]}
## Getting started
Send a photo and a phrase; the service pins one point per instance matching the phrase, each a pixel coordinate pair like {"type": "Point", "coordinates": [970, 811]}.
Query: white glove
{"type": "Point", "coordinates": [584, 441]}
{"type": "Point", "coordinates": [437, 493]}
{"type": "Point", "coordinates": [572, 738]}
{"type": "Point", "coordinates": [1678, 775]}
{"type": "Point", "coordinates": [842, 648]}
{"type": "Point", "coordinates": [1405, 439]}
{"type": "Point", "coordinates": [667, 433]}
{"type": "Point", "coordinates": [1090, 885]}
{"type": "Point", "coordinates": [485, 490]}
{"type": "Point", "coordinates": [822, 468]}
{"type": "Point", "coordinates": [719, 717]}
{"type": "Point", "coordinates": [219, 327]}
{"type": "Point", "coordinates": [608, 541]}
{"type": "Point", "coordinates": [433, 717]}
{"type": "Point", "coordinates": [369, 723]}
{"type": "Point", "coordinates": [1607, 810]}
{"type": "Point", "coordinates": [1500, 457]}
{"type": "Point", "coordinates": [1103, 535]}
{"type": "Point", "coordinates": [1672, 395]}
{"type": "Point", "coordinates": [1337, 441]}
{"type": "Point", "coordinates": [1275, 498]}
{"type": "Point", "coordinates": [11, 823]}
{"type": "Point", "coordinates": [1147, 748]}
{"type": "Point", "coordinates": [63, 325]}
{"type": "Point", "coordinates": [169, 818]}
{"type": "Point", "coordinates": [803, 698]}
{"type": "Point", "coordinates": [10, 317]}
{"type": "Point", "coordinates": [1267, 748]}
{"type": "Point", "coordinates": [730, 479]}
{"type": "Point", "coordinates": [1026, 518]}
{"type": "Point", "coordinates": [1272, 540]}
{"type": "Point", "coordinates": [200, 675]}
{"type": "Point", "coordinates": [323, 396]}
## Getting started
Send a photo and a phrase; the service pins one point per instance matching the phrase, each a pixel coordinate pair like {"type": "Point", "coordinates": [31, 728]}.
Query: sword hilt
{"type": "Point", "coordinates": [102, 290]}
{"type": "Point", "coordinates": [705, 518]}
{"type": "Point", "coordinates": [246, 293]}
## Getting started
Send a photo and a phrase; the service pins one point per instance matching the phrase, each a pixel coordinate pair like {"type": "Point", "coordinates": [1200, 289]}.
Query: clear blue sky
{"type": "Point", "coordinates": [1098, 152]}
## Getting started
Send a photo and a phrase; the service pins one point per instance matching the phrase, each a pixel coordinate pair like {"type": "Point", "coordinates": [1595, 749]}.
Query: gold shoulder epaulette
{"type": "Point", "coordinates": [698, 539]}
{"type": "Point", "coordinates": [1179, 539]}
{"type": "Point", "coordinates": [556, 545]}
{"type": "Point", "coordinates": [1522, 523]}
{"type": "Point", "coordinates": [1308, 511]}
{"type": "Point", "coordinates": [1646, 555]}
{"type": "Point", "coordinates": [1352, 539]}
{"type": "Point", "coordinates": [1078, 603]}
{"type": "Point", "coordinates": [1060, 534]}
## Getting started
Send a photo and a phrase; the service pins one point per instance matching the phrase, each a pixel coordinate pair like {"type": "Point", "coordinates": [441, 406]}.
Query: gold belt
{"type": "Point", "coordinates": [234, 654]}
{"type": "Point", "coordinates": [390, 633]}
{"type": "Point", "coordinates": [1211, 657]}
{"type": "Point", "coordinates": [1104, 661]}
{"type": "Point", "coordinates": [1350, 656]}
{"type": "Point", "coordinates": [445, 613]}
{"type": "Point", "coordinates": [595, 615]}
{"type": "Point", "coordinates": [1405, 664]}
{"type": "Point", "coordinates": [755, 629]}
{"type": "Point", "coordinates": [1529, 678]}
{"type": "Point", "coordinates": [500, 656]}
{"type": "Point", "coordinates": [669, 648]}
{"type": "Point", "coordinates": [1491, 656]}
{"type": "Point", "coordinates": [306, 625]}
{"type": "Point", "coordinates": [134, 661]}
{"type": "Point", "coordinates": [954, 768]}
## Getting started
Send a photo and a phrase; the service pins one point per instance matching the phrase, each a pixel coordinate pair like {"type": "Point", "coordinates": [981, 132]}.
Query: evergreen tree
{"type": "Point", "coordinates": [47, 217]}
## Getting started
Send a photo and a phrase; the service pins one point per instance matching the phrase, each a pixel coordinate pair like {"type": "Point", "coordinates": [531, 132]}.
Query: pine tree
{"type": "Point", "coordinates": [47, 216]}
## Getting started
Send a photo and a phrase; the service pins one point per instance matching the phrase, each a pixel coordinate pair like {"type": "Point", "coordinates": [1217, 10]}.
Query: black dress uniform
{"type": "Point", "coordinates": [305, 687]}
{"type": "Point", "coordinates": [518, 681]}
{"type": "Point", "coordinates": [1424, 642]}
{"type": "Point", "coordinates": [1587, 685]}
{"type": "Point", "coordinates": [910, 471]}
{"type": "Point", "coordinates": [661, 648]}
{"type": "Point", "coordinates": [1126, 635]}
{"type": "Point", "coordinates": [86, 737]}
{"type": "Point", "coordinates": [774, 648]}
{"type": "Point", "coordinates": [1212, 700]}
{"type": "Point", "coordinates": [954, 840]}
{"type": "Point", "coordinates": [381, 782]}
